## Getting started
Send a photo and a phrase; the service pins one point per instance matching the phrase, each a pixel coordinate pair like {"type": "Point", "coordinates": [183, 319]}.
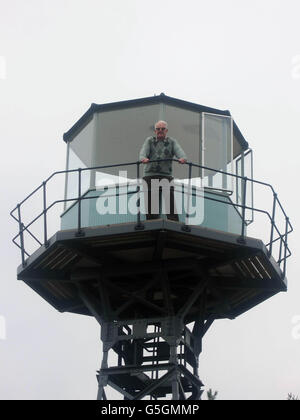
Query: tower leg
{"type": "Point", "coordinates": [174, 360]}
{"type": "Point", "coordinates": [102, 379]}
{"type": "Point", "coordinates": [155, 358]}
{"type": "Point", "coordinates": [101, 384]}
{"type": "Point", "coordinates": [175, 387]}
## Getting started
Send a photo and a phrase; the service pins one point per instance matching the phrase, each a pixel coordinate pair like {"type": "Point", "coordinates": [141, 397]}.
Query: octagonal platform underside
{"type": "Point", "coordinates": [121, 269]}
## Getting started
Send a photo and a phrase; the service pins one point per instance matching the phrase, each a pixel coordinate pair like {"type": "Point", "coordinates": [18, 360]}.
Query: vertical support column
{"type": "Point", "coordinates": [185, 227]}
{"type": "Point", "coordinates": [137, 364]}
{"type": "Point", "coordinates": [45, 215]}
{"type": "Point", "coordinates": [240, 174]}
{"type": "Point", "coordinates": [285, 245]}
{"type": "Point", "coordinates": [175, 387]}
{"type": "Point", "coordinates": [67, 176]}
{"type": "Point", "coordinates": [272, 223]}
{"type": "Point", "coordinates": [95, 152]}
{"type": "Point", "coordinates": [139, 225]}
{"type": "Point", "coordinates": [108, 337]}
{"type": "Point", "coordinates": [174, 360]}
{"type": "Point", "coordinates": [189, 194]}
{"type": "Point", "coordinates": [225, 152]}
{"type": "Point", "coordinates": [79, 230]}
{"type": "Point", "coordinates": [244, 189]}
{"type": "Point", "coordinates": [21, 230]}
{"type": "Point", "coordinates": [201, 147]}
{"type": "Point", "coordinates": [102, 379]}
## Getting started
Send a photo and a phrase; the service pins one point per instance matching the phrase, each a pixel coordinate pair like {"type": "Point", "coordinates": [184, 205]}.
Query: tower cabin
{"type": "Point", "coordinates": [156, 286]}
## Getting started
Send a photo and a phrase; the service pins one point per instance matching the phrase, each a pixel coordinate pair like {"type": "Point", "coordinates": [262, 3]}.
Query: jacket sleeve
{"type": "Point", "coordinates": [145, 150]}
{"type": "Point", "coordinates": [178, 151]}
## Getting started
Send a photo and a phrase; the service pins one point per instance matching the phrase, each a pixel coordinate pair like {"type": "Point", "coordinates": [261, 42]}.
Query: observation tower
{"type": "Point", "coordinates": [154, 286]}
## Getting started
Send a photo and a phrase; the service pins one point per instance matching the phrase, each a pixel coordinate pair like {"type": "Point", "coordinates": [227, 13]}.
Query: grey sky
{"type": "Point", "coordinates": [56, 58]}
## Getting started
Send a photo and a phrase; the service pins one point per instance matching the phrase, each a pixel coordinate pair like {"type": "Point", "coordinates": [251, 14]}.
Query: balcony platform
{"type": "Point", "coordinates": [129, 263]}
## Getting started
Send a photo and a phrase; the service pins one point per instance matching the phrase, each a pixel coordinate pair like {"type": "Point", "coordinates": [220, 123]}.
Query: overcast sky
{"type": "Point", "coordinates": [59, 56]}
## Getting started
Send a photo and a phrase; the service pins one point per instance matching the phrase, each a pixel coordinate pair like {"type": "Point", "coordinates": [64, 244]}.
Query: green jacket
{"type": "Point", "coordinates": [154, 149]}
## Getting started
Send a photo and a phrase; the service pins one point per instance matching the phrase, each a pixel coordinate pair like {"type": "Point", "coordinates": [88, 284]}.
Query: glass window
{"type": "Point", "coordinates": [72, 177]}
{"type": "Point", "coordinates": [80, 152]}
{"type": "Point", "coordinates": [184, 126]}
{"type": "Point", "coordinates": [217, 150]}
{"type": "Point", "coordinates": [120, 136]}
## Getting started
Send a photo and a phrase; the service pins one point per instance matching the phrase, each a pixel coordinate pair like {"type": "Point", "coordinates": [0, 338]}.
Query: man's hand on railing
{"type": "Point", "coordinates": [182, 160]}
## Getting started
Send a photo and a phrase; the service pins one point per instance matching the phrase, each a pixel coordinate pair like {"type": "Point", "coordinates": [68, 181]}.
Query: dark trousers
{"type": "Point", "coordinates": [153, 193]}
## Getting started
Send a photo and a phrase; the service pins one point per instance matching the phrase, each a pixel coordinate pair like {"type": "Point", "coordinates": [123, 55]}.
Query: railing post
{"type": "Point", "coordinates": [139, 225]}
{"type": "Point", "coordinates": [280, 249]}
{"type": "Point", "coordinates": [285, 244]}
{"type": "Point", "coordinates": [45, 215]}
{"type": "Point", "coordinates": [79, 230]}
{"type": "Point", "coordinates": [272, 223]}
{"type": "Point", "coordinates": [185, 227]}
{"type": "Point", "coordinates": [242, 237]}
{"type": "Point", "coordinates": [21, 229]}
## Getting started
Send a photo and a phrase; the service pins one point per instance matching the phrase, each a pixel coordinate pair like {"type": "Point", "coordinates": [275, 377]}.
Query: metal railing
{"type": "Point", "coordinates": [275, 233]}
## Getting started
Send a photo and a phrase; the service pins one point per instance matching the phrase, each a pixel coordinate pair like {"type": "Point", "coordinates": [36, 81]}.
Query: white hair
{"type": "Point", "coordinates": [161, 121]}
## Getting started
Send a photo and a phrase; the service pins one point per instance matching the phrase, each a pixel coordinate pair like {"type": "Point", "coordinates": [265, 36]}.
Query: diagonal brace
{"type": "Point", "coordinates": [134, 296]}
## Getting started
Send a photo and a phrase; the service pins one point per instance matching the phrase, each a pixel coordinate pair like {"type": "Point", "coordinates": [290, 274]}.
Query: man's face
{"type": "Point", "coordinates": [161, 131]}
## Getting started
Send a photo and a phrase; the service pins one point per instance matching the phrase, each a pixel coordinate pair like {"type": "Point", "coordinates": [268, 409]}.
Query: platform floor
{"type": "Point", "coordinates": [130, 262]}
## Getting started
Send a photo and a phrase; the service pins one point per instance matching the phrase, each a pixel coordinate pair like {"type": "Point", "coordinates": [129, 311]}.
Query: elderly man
{"type": "Point", "coordinates": [160, 147]}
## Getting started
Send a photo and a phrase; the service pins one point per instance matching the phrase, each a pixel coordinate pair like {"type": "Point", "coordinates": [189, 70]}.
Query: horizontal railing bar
{"type": "Point", "coordinates": [275, 240]}
{"type": "Point", "coordinates": [134, 163]}
{"type": "Point", "coordinates": [29, 224]}
{"type": "Point", "coordinates": [76, 199]}
{"type": "Point", "coordinates": [280, 205]}
{"type": "Point", "coordinates": [19, 246]}
{"type": "Point", "coordinates": [151, 161]}
{"type": "Point", "coordinates": [69, 171]}
{"type": "Point", "coordinates": [281, 237]}
{"type": "Point", "coordinates": [25, 199]}
{"type": "Point", "coordinates": [131, 192]}
{"type": "Point", "coordinates": [233, 175]}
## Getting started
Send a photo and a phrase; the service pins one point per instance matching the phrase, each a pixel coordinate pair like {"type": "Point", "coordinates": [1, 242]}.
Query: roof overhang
{"type": "Point", "coordinates": [157, 99]}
